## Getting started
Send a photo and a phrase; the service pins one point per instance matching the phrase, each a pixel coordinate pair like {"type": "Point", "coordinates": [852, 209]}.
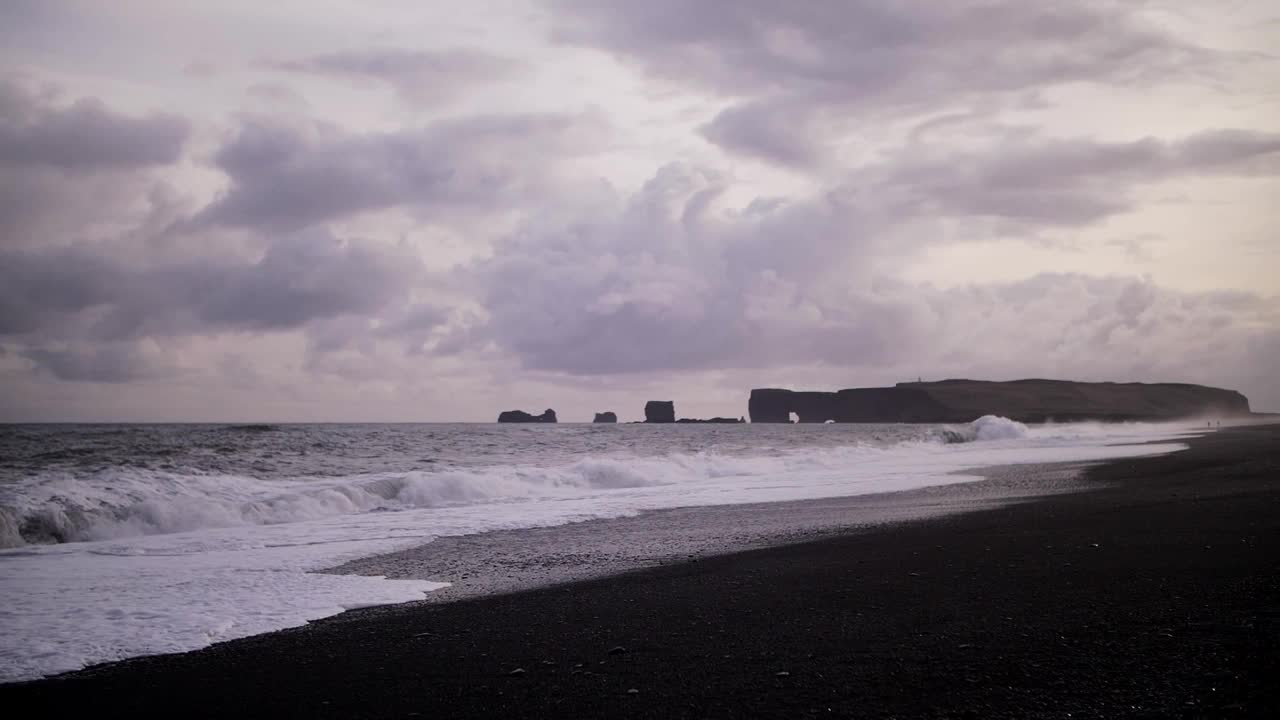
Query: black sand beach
{"type": "Point", "coordinates": [1157, 594]}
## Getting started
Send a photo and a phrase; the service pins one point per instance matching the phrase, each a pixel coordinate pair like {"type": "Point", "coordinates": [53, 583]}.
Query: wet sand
{"type": "Point", "coordinates": [1155, 592]}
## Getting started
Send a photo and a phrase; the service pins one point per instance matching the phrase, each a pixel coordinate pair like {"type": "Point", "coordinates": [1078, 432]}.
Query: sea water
{"type": "Point", "coordinates": [126, 540]}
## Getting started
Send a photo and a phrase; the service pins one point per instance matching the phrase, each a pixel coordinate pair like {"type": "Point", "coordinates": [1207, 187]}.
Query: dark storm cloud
{"type": "Point", "coordinates": [101, 259]}
{"type": "Point", "coordinates": [84, 293]}
{"type": "Point", "coordinates": [83, 136]}
{"type": "Point", "coordinates": [37, 285]}
{"type": "Point", "coordinates": [420, 76]}
{"type": "Point", "coordinates": [1227, 148]}
{"type": "Point", "coordinates": [114, 363]}
{"type": "Point", "coordinates": [792, 62]}
{"type": "Point", "coordinates": [660, 283]}
{"type": "Point", "coordinates": [68, 171]}
{"type": "Point", "coordinates": [286, 177]}
{"type": "Point", "coordinates": [772, 130]}
{"type": "Point", "coordinates": [302, 278]}
{"type": "Point", "coordinates": [869, 48]}
{"type": "Point", "coordinates": [1062, 182]}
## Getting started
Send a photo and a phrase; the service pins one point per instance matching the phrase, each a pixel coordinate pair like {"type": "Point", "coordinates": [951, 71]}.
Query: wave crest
{"type": "Point", "coordinates": [125, 502]}
{"type": "Point", "coordinates": [987, 427]}
{"type": "Point", "coordinates": [128, 502]}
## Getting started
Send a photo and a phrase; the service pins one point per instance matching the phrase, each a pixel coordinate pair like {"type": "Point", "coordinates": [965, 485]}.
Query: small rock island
{"type": "Point", "coordinates": [664, 411]}
{"type": "Point", "coordinates": [520, 416]}
{"type": "Point", "coordinates": [606, 417]}
{"type": "Point", "coordinates": [660, 411]}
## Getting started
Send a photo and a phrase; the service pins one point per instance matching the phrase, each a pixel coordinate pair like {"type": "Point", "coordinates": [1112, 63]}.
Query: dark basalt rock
{"type": "Point", "coordinates": [717, 420]}
{"type": "Point", "coordinates": [605, 417]}
{"type": "Point", "coordinates": [660, 411]}
{"type": "Point", "coordinates": [957, 401]}
{"type": "Point", "coordinates": [520, 416]}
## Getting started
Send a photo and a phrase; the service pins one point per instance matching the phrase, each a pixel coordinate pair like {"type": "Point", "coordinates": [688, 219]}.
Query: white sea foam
{"type": "Point", "coordinates": [161, 562]}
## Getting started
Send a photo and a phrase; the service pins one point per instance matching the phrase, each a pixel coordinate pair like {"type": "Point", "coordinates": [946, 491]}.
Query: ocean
{"type": "Point", "coordinates": [126, 540]}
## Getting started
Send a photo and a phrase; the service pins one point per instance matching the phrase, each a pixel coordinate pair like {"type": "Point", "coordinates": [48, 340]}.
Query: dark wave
{"type": "Point", "coordinates": [67, 453]}
{"type": "Point", "coordinates": [253, 428]}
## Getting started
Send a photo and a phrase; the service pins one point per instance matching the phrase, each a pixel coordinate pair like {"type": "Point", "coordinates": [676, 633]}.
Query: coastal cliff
{"type": "Point", "coordinates": [1023, 400]}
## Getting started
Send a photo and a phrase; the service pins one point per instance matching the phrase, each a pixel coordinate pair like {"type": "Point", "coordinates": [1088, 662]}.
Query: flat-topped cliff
{"type": "Point", "coordinates": [950, 401]}
{"type": "Point", "coordinates": [660, 411]}
{"type": "Point", "coordinates": [520, 416]}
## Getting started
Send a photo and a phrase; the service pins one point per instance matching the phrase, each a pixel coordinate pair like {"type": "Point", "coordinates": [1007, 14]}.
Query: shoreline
{"type": "Point", "coordinates": [1154, 594]}
{"type": "Point", "coordinates": [505, 561]}
{"type": "Point", "coordinates": [136, 602]}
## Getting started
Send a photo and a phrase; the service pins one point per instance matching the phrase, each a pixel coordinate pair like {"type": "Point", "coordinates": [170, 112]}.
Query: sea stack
{"type": "Point", "coordinates": [520, 416]}
{"type": "Point", "coordinates": [660, 411]}
{"type": "Point", "coordinates": [605, 417]}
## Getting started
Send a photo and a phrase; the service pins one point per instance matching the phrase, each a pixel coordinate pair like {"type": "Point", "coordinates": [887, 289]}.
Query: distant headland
{"type": "Point", "coordinates": [954, 401]}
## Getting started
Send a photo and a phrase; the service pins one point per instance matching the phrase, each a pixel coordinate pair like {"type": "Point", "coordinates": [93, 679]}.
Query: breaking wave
{"type": "Point", "coordinates": [124, 502]}
{"type": "Point", "coordinates": [59, 507]}
{"type": "Point", "coordinates": [987, 427]}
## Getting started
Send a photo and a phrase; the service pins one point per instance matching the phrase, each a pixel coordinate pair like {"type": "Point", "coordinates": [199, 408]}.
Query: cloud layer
{"type": "Point", "coordinates": [664, 284]}
{"type": "Point", "coordinates": [798, 73]}
{"type": "Point", "coordinates": [389, 217]}
{"type": "Point", "coordinates": [285, 177]}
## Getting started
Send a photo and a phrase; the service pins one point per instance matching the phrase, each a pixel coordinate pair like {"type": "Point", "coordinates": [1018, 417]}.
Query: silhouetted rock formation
{"type": "Point", "coordinates": [660, 411]}
{"type": "Point", "coordinates": [605, 417]}
{"type": "Point", "coordinates": [520, 416]}
{"type": "Point", "coordinates": [717, 420]}
{"type": "Point", "coordinates": [951, 401]}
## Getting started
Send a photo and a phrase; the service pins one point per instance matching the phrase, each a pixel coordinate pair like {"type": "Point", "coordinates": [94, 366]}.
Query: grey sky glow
{"type": "Point", "coordinates": [407, 211]}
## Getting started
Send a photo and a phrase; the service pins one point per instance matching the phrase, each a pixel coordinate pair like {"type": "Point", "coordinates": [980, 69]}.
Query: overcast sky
{"type": "Point", "coordinates": [408, 210]}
